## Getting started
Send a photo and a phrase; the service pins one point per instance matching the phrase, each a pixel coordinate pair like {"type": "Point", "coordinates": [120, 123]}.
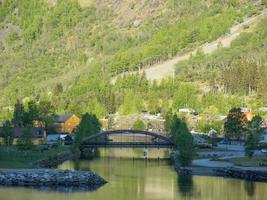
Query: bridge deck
{"type": "Point", "coordinates": [127, 145]}
{"type": "Point", "coordinates": [157, 140]}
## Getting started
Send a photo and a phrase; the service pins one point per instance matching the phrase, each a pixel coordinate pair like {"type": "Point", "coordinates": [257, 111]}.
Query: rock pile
{"type": "Point", "coordinates": [49, 177]}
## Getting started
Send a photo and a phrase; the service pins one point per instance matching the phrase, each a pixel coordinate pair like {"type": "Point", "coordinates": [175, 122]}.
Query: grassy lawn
{"type": "Point", "coordinates": [13, 158]}
{"type": "Point", "coordinates": [249, 162]}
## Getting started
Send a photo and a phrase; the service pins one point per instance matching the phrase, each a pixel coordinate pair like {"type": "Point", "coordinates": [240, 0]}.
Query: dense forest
{"type": "Point", "coordinates": [66, 51]}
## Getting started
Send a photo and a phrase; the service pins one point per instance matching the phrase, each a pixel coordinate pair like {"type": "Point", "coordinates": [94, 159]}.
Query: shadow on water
{"type": "Point", "coordinates": [185, 185]}
{"type": "Point", "coordinates": [61, 189]}
{"type": "Point", "coordinates": [249, 188]}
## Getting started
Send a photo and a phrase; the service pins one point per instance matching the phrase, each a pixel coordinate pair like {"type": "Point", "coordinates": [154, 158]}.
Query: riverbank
{"type": "Point", "coordinates": [50, 178]}
{"type": "Point", "coordinates": [246, 173]}
{"type": "Point", "coordinates": [13, 158]}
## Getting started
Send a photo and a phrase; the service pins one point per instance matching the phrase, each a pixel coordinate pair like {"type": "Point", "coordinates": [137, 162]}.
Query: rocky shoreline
{"type": "Point", "coordinates": [248, 174]}
{"type": "Point", "coordinates": [50, 178]}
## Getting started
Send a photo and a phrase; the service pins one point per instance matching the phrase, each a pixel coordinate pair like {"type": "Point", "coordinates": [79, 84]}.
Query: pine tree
{"type": "Point", "coordinates": [32, 114]}
{"type": "Point", "coordinates": [251, 144]}
{"type": "Point", "coordinates": [184, 141]}
{"type": "Point", "coordinates": [18, 115]}
{"type": "Point", "coordinates": [89, 125]}
{"type": "Point", "coordinates": [253, 133]}
{"type": "Point", "coordinates": [8, 133]}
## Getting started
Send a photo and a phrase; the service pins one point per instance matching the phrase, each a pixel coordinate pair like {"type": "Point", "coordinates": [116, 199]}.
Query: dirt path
{"type": "Point", "coordinates": [167, 68]}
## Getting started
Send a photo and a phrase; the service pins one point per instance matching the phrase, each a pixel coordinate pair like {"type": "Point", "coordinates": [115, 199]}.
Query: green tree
{"type": "Point", "coordinates": [235, 125]}
{"type": "Point", "coordinates": [31, 114]}
{"type": "Point", "coordinates": [254, 126]}
{"type": "Point", "coordinates": [251, 145]}
{"type": "Point", "coordinates": [8, 133]}
{"type": "Point", "coordinates": [25, 140]}
{"type": "Point", "coordinates": [18, 114]}
{"type": "Point", "coordinates": [168, 121]}
{"type": "Point", "coordinates": [254, 130]}
{"type": "Point", "coordinates": [89, 125]}
{"type": "Point", "coordinates": [138, 125]}
{"type": "Point", "coordinates": [46, 112]}
{"type": "Point", "coordinates": [183, 139]}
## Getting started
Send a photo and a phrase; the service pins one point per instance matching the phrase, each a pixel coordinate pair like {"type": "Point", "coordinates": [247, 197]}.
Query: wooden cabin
{"type": "Point", "coordinates": [66, 123]}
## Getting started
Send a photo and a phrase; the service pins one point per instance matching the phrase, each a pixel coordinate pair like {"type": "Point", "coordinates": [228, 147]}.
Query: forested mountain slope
{"type": "Point", "coordinates": [166, 68]}
{"type": "Point", "coordinates": [65, 51]}
{"type": "Point", "coordinates": [240, 69]}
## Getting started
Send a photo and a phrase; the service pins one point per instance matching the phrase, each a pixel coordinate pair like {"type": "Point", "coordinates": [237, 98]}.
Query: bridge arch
{"type": "Point", "coordinates": [162, 140]}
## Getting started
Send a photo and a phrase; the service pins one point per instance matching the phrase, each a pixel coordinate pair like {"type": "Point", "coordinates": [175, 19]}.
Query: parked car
{"type": "Point", "coordinates": [224, 141]}
{"type": "Point", "coordinates": [264, 151]}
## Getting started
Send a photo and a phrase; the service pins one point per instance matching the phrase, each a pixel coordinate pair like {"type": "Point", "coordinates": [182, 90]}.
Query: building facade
{"type": "Point", "coordinates": [66, 123]}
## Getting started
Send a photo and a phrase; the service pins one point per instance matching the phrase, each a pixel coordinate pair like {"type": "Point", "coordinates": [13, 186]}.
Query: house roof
{"type": "Point", "coordinates": [36, 132]}
{"type": "Point", "coordinates": [62, 118]}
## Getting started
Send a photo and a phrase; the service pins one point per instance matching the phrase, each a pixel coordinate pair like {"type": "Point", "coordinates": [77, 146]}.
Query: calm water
{"type": "Point", "coordinates": [141, 180]}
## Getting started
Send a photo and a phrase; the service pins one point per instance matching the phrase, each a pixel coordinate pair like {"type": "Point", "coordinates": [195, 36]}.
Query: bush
{"type": "Point", "coordinates": [139, 125]}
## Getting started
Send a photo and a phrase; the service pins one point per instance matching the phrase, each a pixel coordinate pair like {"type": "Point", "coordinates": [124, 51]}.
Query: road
{"type": "Point", "coordinates": [167, 68]}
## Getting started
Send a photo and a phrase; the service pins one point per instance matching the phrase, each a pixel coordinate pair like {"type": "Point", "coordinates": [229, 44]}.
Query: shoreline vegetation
{"type": "Point", "coordinates": [12, 158]}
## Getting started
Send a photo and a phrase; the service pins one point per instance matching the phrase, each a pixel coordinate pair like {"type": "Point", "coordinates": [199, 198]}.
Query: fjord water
{"type": "Point", "coordinates": [144, 180]}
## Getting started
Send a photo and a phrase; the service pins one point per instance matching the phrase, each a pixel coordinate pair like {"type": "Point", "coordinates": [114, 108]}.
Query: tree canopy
{"type": "Point", "coordinates": [235, 125]}
{"type": "Point", "coordinates": [182, 137]}
{"type": "Point", "coordinates": [89, 125]}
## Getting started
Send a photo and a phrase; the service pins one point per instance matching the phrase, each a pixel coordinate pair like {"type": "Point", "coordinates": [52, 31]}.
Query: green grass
{"type": "Point", "coordinates": [14, 158]}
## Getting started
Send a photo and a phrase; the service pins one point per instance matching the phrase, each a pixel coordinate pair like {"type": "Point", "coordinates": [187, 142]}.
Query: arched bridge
{"type": "Point", "coordinates": [126, 139]}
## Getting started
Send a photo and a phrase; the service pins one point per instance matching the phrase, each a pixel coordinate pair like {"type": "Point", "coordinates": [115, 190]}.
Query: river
{"type": "Point", "coordinates": [144, 180]}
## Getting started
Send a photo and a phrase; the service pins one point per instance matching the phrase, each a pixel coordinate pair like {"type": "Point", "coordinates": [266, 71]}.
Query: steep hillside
{"type": "Point", "coordinates": [166, 68]}
{"type": "Point", "coordinates": [66, 51]}
{"type": "Point", "coordinates": [240, 69]}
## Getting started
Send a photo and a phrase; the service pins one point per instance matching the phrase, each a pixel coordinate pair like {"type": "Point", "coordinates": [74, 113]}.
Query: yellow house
{"type": "Point", "coordinates": [66, 123]}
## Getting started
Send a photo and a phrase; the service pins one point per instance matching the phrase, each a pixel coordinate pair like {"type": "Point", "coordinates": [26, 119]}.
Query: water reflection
{"type": "Point", "coordinates": [141, 180]}
{"type": "Point", "coordinates": [185, 185]}
{"type": "Point", "coordinates": [249, 188]}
